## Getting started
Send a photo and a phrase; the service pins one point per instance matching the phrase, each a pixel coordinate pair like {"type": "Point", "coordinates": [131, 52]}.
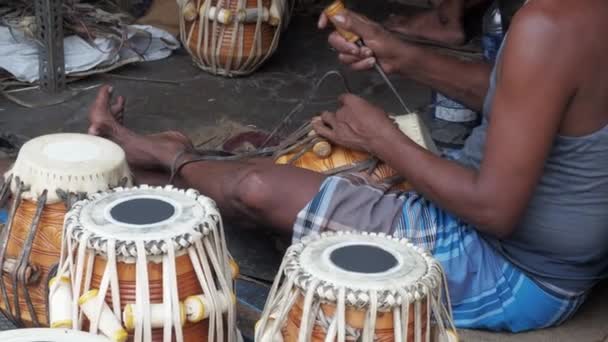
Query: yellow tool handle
{"type": "Point", "coordinates": [331, 11]}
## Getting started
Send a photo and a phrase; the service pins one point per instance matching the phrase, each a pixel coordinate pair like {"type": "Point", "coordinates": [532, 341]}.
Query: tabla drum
{"type": "Point", "coordinates": [50, 173]}
{"type": "Point", "coordinates": [146, 264]}
{"type": "Point", "coordinates": [314, 153]}
{"type": "Point", "coordinates": [232, 37]}
{"type": "Point", "coordinates": [49, 335]}
{"type": "Point", "coordinates": [356, 287]}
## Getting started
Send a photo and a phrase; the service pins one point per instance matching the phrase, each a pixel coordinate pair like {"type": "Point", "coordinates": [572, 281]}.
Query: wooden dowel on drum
{"type": "Point", "coordinates": [189, 11]}
{"type": "Point", "coordinates": [322, 148]}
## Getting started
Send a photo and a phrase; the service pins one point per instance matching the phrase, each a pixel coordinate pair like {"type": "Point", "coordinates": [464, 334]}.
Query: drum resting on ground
{"type": "Point", "coordinates": [357, 287]}
{"type": "Point", "coordinates": [51, 173]}
{"type": "Point", "coordinates": [146, 264]}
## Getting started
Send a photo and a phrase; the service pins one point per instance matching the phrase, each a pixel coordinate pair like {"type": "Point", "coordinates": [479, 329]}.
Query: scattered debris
{"type": "Point", "coordinates": [98, 39]}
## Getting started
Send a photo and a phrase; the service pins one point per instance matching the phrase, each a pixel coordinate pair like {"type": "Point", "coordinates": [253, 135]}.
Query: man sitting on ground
{"type": "Point", "coordinates": [520, 224]}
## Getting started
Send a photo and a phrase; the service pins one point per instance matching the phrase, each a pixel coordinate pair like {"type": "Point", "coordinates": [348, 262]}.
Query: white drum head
{"type": "Point", "coordinates": [142, 214]}
{"type": "Point", "coordinates": [361, 264]}
{"type": "Point", "coordinates": [70, 162]}
{"type": "Point", "coordinates": [368, 262]}
{"type": "Point", "coordinates": [49, 335]}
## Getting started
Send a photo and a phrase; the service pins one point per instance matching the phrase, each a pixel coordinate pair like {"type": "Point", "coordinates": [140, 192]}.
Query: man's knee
{"type": "Point", "coordinates": [252, 189]}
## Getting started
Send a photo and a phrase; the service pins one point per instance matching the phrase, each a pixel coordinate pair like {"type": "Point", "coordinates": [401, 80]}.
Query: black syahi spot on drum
{"type": "Point", "coordinates": [142, 211]}
{"type": "Point", "coordinates": [363, 259]}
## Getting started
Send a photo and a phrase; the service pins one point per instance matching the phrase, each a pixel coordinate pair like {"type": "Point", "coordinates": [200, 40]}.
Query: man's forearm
{"type": "Point", "coordinates": [451, 186]}
{"type": "Point", "coordinates": [464, 81]}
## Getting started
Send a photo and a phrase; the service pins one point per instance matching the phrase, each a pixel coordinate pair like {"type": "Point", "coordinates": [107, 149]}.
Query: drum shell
{"type": "Point", "coordinates": [354, 318]}
{"type": "Point", "coordinates": [188, 285]}
{"type": "Point", "coordinates": [227, 58]}
{"type": "Point", "coordinates": [339, 157]}
{"type": "Point", "coordinates": [45, 255]}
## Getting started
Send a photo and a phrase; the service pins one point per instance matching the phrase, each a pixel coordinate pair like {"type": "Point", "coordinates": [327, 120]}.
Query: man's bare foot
{"type": "Point", "coordinates": [105, 115]}
{"type": "Point", "coordinates": [429, 25]}
{"type": "Point", "coordinates": [155, 151]}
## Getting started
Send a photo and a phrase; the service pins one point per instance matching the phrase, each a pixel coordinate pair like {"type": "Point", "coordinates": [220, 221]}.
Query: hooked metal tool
{"type": "Point", "coordinates": [331, 11]}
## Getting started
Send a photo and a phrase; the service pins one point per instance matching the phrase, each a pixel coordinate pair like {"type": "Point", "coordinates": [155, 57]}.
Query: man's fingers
{"type": "Point", "coordinates": [364, 64]}
{"type": "Point", "coordinates": [366, 52]}
{"type": "Point", "coordinates": [353, 22]}
{"type": "Point", "coordinates": [348, 59]}
{"type": "Point", "coordinates": [322, 129]}
{"type": "Point", "coordinates": [348, 99]}
{"type": "Point", "coordinates": [329, 119]}
{"type": "Point", "coordinates": [341, 45]}
{"type": "Point", "coordinates": [322, 21]}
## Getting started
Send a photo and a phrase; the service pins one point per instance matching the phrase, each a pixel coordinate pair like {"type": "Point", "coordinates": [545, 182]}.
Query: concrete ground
{"type": "Point", "coordinates": [202, 105]}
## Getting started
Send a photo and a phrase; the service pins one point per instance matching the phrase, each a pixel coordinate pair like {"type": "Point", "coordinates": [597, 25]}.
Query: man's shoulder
{"type": "Point", "coordinates": [564, 17]}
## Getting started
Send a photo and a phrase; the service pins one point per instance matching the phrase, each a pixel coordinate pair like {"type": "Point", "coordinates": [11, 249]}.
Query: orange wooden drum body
{"type": "Point", "coordinates": [329, 283]}
{"type": "Point", "coordinates": [340, 157]}
{"type": "Point", "coordinates": [164, 264]}
{"type": "Point", "coordinates": [45, 255]}
{"type": "Point", "coordinates": [237, 51]}
{"type": "Point", "coordinates": [187, 286]}
{"type": "Point", "coordinates": [355, 319]}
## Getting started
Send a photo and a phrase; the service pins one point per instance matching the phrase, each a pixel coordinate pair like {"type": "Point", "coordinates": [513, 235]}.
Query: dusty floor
{"type": "Point", "coordinates": [198, 103]}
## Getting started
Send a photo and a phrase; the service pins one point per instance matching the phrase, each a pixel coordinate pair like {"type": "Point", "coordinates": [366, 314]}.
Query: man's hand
{"type": "Point", "coordinates": [381, 45]}
{"type": "Point", "coordinates": [357, 125]}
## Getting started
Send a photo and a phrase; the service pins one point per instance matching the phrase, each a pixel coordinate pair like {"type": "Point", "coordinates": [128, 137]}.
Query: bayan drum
{"type": "Point", "coordinates": [50, 173]}
{"type": "Point", "coordinates": [49, 335]}
{"type": "Point", "coordinates": [356, 287]}
{"type": "Point", "coordinates": [232, 37]}
{"type": "Point", "coordinates": [148, 262]}
{"type": "Point", "coordinates": [313, 153]}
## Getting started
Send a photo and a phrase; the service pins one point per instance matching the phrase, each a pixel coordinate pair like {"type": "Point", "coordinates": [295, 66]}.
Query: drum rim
{"type": "Point", "coordinates": [112, 153]}
{"type": "Point", "coordinates": [205, 219]}
{"type": "Point", "coordinates": [57, 335]}
{"type": "Point", "coordinates": [389, 296]}
{"type": "Point", "coordinates": [38, 171]}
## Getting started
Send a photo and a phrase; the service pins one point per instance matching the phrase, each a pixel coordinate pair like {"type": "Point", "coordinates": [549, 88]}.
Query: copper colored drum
{"type": "Point", "coordinates": [232, 37]}
{"type": "Point", "coordinates": [50, 173]}
{"type": "Point", "coordinates": [315, 154]}
{"type": "Point", "coordinates": [355, 319]}
{"type": "Point", "coordinates": [341, 157]}
{"type": "Point", "coordinates": [352, 286]}
{"type": "Point", "coordinates": [158, 266]}
{"type": "Point", "coordinates": [49, 335]}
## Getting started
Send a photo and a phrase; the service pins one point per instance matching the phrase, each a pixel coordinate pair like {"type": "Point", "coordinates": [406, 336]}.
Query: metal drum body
{"type": "Point", "coordinates": [50, 173]}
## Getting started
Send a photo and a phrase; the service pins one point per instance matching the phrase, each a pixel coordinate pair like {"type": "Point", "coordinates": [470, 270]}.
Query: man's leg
{"type": "Point", "coordinates": [255, 190]}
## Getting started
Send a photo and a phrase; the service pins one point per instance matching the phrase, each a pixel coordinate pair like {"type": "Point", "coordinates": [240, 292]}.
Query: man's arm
{"type": "Point", "coordinates": [536, 83]}
{"type": "Point", "coordinates": [465, 81]}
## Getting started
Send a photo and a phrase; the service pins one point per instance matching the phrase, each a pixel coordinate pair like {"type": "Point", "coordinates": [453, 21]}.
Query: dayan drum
{"type": "Point", "coordinates": [356, 287]}
{"type": "Point", "coordinates": [311, 152]}
{"type": "Point", "coordinates": [232, 37]}
{"type": "Point", "coordinates": [50, 173]}
{"type": "Point", "coordinates": [146, 264]}
{"type": "Point", "coordinates": [49, 335]}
